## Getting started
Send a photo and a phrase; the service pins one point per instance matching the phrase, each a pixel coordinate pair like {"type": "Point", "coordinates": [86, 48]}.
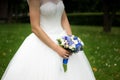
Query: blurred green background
{"type": "Point", "coordinates": [96, 22]}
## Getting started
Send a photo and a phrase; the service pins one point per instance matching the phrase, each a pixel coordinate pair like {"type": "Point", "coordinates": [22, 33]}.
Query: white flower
{"type": "Point", "coordinates": [66, 42]}
{"type": "Point", "coordinates": [62, 44]}
{"type": "Point", "coordinates": [73, 45]}
{"type": "Point", "coordinates": [66, 46]}
{"type": "Point", "coordinates": [82, 43]}
{"type": "Point", "coordinates": [75, 42]}
{"type": "Point", "coordinates": [72, 37]}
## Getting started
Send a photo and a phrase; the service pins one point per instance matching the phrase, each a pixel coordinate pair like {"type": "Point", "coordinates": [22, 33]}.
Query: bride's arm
{"type": "Point", "coordinates": [34, 9]}
{"type": "Point", "coordinates": [66, 24]}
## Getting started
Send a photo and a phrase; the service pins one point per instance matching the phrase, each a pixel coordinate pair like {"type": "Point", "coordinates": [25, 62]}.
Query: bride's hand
{"type": "Point", "coordinates": [62, 52]}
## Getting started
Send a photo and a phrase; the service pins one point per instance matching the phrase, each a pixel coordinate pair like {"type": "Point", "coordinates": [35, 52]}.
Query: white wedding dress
{"type": "Point", "coordinates": [36, 61]}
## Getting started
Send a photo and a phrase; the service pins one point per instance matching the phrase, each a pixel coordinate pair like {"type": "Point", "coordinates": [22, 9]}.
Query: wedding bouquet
{"type": "Point", "coordinates": [71, 43]}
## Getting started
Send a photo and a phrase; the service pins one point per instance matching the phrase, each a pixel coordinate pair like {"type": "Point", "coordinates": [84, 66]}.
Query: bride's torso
{"type": "Point", "coordinates": [50, 16]}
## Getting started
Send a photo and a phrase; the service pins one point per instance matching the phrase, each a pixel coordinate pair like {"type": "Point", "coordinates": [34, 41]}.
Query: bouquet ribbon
{"type": "Point", "coordinates": [65, 61]}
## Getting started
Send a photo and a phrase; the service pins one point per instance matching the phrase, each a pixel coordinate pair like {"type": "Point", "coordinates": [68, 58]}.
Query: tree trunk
{"type": "Point", "coordinates": [107, 18]}
{"type": "Point", "coordinates": [4, 10]}
{"type": "Point", "coordinates": [10, 11]}
{"type": "Point", "coordinates": [107, 22]}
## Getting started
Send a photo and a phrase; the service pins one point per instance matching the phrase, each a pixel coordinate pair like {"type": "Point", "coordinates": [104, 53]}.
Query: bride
{"type": "Point", "coordinates": [40, 57]}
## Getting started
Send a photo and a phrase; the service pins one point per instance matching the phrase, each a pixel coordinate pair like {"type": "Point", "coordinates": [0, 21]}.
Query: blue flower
{"type": "Point", "coordinates": [75, 38]}
{"type": "Point", "coordinates": [78, 46]}
{"type": "Point", "coordinates": [70, 43]}
{"type": "Point", "coordinates": [65, 37]}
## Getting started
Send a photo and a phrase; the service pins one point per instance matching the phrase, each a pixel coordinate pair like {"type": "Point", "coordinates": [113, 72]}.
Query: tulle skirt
{"type": "Point", "coordinates": [36, 61]}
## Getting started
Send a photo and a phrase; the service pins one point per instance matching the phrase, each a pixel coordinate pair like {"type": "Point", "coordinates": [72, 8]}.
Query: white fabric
{"type": "Point", "coordinates": [36, 61]}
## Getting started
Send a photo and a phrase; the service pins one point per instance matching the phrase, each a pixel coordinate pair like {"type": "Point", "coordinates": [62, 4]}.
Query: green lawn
{"type": "Point", "coordinates": [102, 49]}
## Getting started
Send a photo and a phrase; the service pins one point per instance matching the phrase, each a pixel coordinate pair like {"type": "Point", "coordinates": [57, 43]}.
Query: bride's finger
{"type": "Point", "coordinates": [66, 57]}
{"type": "Point", "coordinates": [67, 54]}
{"type": "Point", "coordinates": [70, 53]}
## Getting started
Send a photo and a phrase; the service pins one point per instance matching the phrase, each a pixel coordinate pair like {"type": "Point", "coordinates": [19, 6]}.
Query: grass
{"type": "Point", "coordinates": [102, 49]}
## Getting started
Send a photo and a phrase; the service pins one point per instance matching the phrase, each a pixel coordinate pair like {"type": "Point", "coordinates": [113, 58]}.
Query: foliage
{"type": "Point", "coordinates": [83, 5]}
{"type": "Point", "coordinates": [73, 5]}
{"type": "Point", "coordinates": [84, 18]}
{"type": "Point", "coordinates": [90, 5]}
{"type": "Point", "coordinates": [102, 49]}
{"type": "Point", "coordinates": [90, 18]}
